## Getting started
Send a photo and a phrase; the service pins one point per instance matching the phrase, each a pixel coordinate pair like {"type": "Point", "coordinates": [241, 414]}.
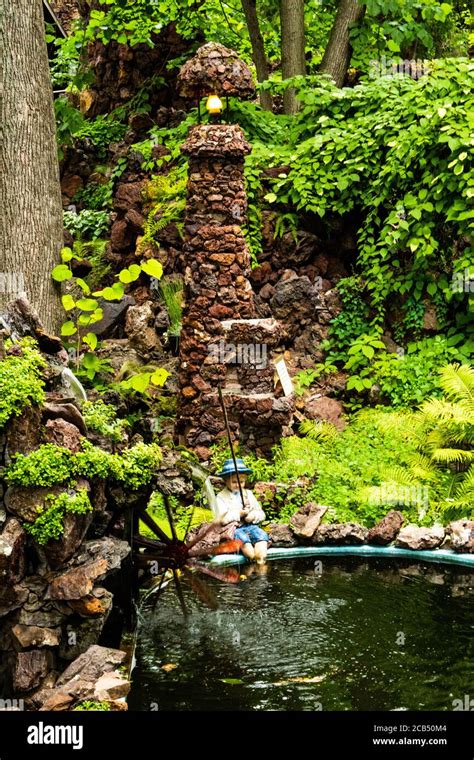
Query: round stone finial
{"type": "Point", "coordinates": [215, 69]}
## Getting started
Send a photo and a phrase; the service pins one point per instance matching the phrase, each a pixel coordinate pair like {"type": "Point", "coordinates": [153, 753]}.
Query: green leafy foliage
{"type": "Point", "coordinates": [21, 380]}
{"type": "Point", "coordinates": [88, 224]}
{"type": "Point", "coordinates": [50, 523]}
{"type": "Point", "coordinates": [45, 466]}
{"type": "Point", "coordinates": [442, 464]}
{"type": "Point", "coordinates": [142, 379]}
{"type": "Point", "coordinates": [91, 705]}
{"type": "Point", "coordinates": [136, 466]}
{"type": "Point", "coordinates": [102, 131]}
{"type": "Point", "coordinates": [49, 465]}
{"type": "Point", "coordinates": [102, 418]}
{"type": "Point", "coordinates": [171, 291]}
{"type": "Point", "coordinates": [407, 28]}
{"type": "Point", "coordinates": [166, 194]}
{"type": "Point", "coordinates": [395, 151]}
{"type": "Point", "coordinates": [85, 309]}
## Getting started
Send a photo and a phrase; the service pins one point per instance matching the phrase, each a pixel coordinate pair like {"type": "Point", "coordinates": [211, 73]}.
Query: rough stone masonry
{"type": "Point", "coordinates": [220, 312]}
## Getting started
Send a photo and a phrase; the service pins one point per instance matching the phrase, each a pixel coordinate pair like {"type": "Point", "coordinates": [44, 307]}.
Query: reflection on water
{"type": "Point", "coordinates": [306, 635]}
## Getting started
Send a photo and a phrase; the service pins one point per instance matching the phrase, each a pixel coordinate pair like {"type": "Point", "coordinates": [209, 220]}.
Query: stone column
{"type": "Point", "coordinates": [219, 316]}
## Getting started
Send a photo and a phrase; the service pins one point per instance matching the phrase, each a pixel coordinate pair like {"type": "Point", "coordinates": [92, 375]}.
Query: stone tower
{"type": "Point", "coordinates": [222, 340]}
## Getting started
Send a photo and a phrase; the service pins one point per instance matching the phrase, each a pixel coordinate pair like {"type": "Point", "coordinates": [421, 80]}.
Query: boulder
{"type": "Point", "coordinates": [91, 665]}
{"type": "Point", "coordinates": [63, 433]}
{"type": "Point", "coordinates": [460, 535]}
{"type": "Point", "coordinates": [386, 530]}
{"type": "Point", "coordinates": [25, 503]}
{"type": "Point", "coordinates": [416, 537]}
{"type": "Point", "coordinates": [54, 700]}
{"type": "Point", "coordinates": [70, 185]}
{"type": "Point", "coordinates": [75, 528]}
{"type": "Point", "coordinates": [121, 235]}
{"type": "Point", "coordinates": [68, 412]}
{"type": "Point", "coordinates": [26, 636]}
{"type": "Point", "coordinates": [111, 686]}
{"type": "Point", "coordinates": [47, 616]}
{"type": "Point", "coordinates": [94, 604]}
{"type": "Point", "coordinates": [281, 535]}
{"type": "Point", "coordinates": [30, 669]}
{"type": "Point", "coordinates": [82, 633]}
{"type": "Point", "coordinates": [12, 552]}
{"type": "Point", "coordinates": [139, 327]}
{"type": "Point", "coordinates": [77, 582]}
{"type": "Point", "coordinates": [119, 353]}
{"type": "Point", "coordinates": [112, 550]}
{"type": "Point", "coordinates": [343, 534]}
{"type": "Point", "coordinates": [294, 299]}
{"type": "Point", "coordinates": [11, 598]}
{"type": "Point", "coordinates": [325, 409]}
{"type": "Point", "coordinates": [306, 520]}
{"type": "Point", "coordinates": [113, 314]}
{"type": "Point", "coordinates": [128, 194]}
{"type": "Point", "coordinates": [24, 431]}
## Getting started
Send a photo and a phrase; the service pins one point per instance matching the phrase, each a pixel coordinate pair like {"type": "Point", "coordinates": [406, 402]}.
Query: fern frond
{"type": "Point", "coordinates": [397, 474]}
{"type": "Point", "coordinates": [453, 456]}
{"type": "Point", "coordinates": [466, 487]}
{"type": "Point", "coordinates": [439, 410]}
{"type": "Point", "coordinates": [457, 381]}
{"type": "Point", "coordinates": [422, 467]}
{"type": "Point", "coordinates": [318, 431]}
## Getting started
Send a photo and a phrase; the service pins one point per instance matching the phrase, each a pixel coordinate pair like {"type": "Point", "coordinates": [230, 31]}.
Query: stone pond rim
{"type": "Point", "coordinates": [443, 556]}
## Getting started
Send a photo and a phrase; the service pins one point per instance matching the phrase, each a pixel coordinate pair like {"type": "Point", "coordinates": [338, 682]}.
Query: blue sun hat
{"type": "Point", "coordinates": [229, 468]}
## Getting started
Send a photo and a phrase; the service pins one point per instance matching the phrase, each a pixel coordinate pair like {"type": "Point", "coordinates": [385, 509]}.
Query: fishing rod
{"type": "Point", "coordinates": [226, 420]}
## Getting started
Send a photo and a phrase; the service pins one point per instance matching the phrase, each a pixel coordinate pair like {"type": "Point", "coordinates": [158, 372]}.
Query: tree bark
{"type": "Point", "coordinates": [293, 60]}
{"type": "Point", "coordinates": [258, 49]}
{"type": "Point", "coordinates": [31, 222]}
{"type": "Point", "coordinates": [337, 55]}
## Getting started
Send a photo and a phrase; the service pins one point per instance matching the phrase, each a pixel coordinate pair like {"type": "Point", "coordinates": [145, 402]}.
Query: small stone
{"type": "Point", "coordinates": [306, 520]}
{"type": "Point", "coordinates": [281, 535]}
{"type": "Point", "coordinates": [419, 538]}
{"type": "Point", "coordinates": [12, 552]}
{"type": "Point", "coordinates": [189, 392]}
{"type": "Point", "coordinates": [386, 530]}
{"type": "Point", "coordinates": [111, 686]}
{"type": "Point", "coordinates": [461, 536]}
{"type": "Point", "coordinates": [325, 409]}
{"type": "Point", "coordinates": [34, 636]}
{"type": "Point", "coordinates": [344, 534]}
{"type": "Point", "coordinates": [92, 604]}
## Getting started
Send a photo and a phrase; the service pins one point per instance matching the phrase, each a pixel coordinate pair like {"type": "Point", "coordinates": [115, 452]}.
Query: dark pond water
{"type": "Point", "coordinates": [355, 636]}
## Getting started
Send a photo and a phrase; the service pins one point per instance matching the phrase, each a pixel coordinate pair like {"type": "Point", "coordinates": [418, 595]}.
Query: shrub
{"type": "Point", "coordinates": [21, 381]}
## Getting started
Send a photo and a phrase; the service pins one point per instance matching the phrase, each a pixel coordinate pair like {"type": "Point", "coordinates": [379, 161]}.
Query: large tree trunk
{"type": "Point", "coordinates": [337, 55]}
{"type": "Point", "coordinates": [258, 49]}
{"type": "Point", "coordinates": [293, 60]}
{"type": "Point", "coordinates": [31, 211]}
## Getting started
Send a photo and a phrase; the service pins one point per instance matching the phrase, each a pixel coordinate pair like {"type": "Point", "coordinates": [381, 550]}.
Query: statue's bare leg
{"type": "Point", "coordinates": [261, 552]}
